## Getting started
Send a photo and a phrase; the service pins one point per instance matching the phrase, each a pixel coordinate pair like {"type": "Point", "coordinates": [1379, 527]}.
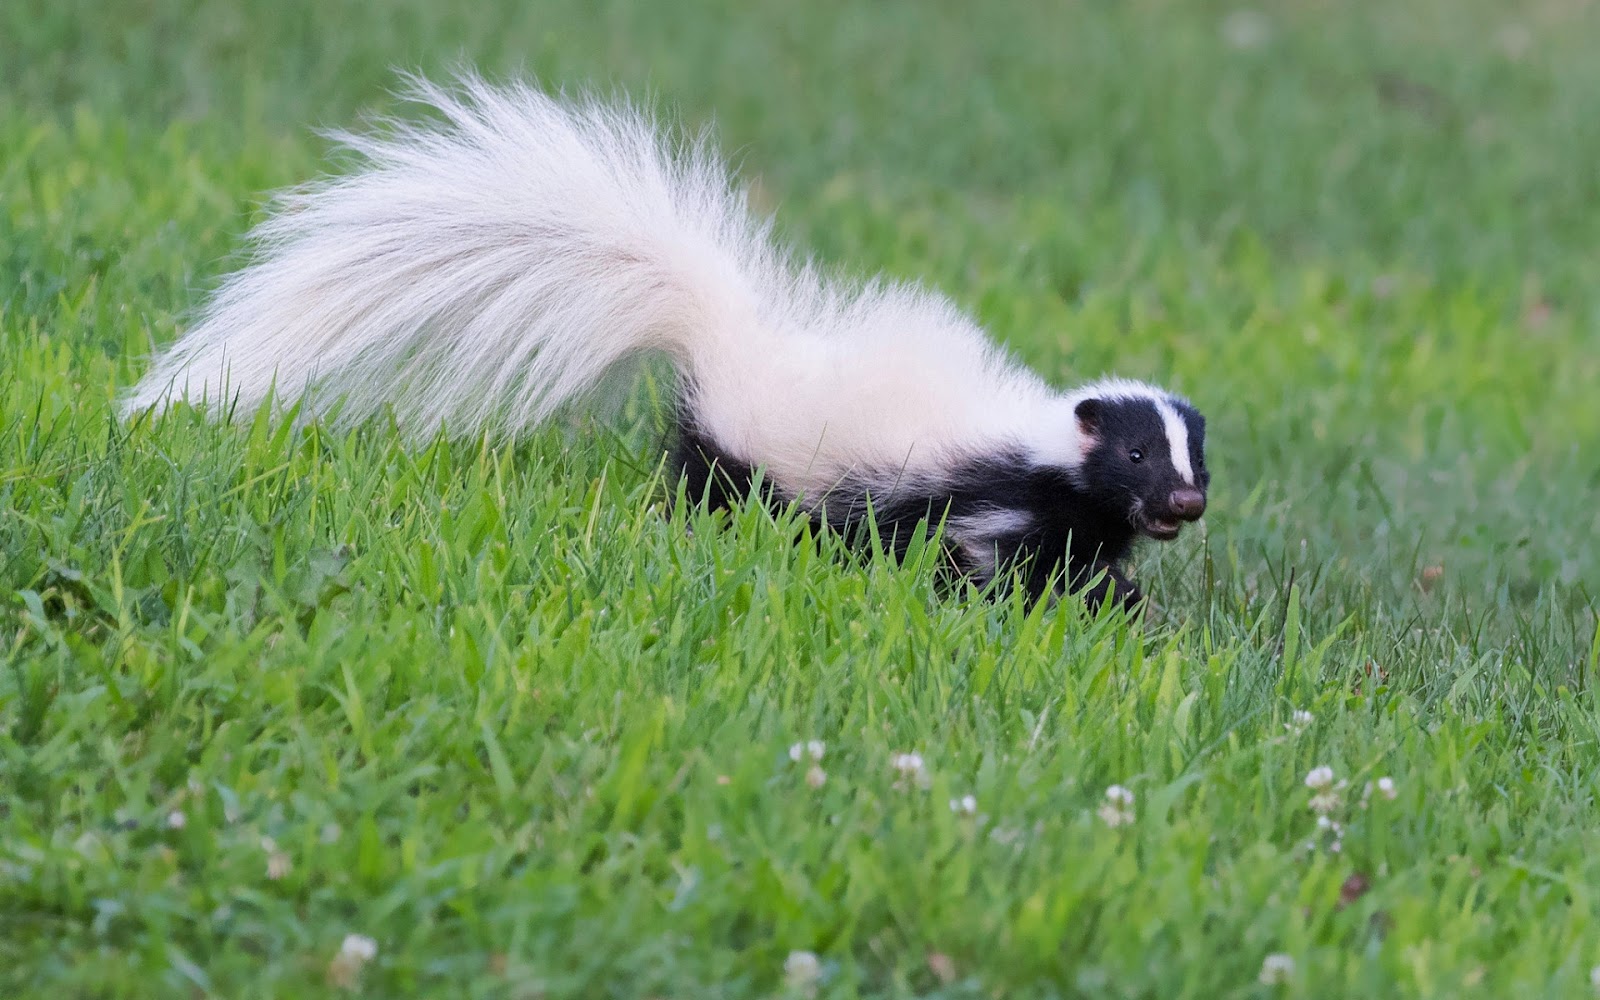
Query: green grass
{"type": "Point", "coordinates": [501, 715]}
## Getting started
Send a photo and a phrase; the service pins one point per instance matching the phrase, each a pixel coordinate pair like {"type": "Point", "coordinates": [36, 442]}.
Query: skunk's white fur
{"type": "Point", "coordinates": [480, 273]}
{"type": "Point", "coordinates": [481, 276]}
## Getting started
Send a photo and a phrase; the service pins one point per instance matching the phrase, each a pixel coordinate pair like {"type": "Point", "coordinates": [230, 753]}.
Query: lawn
{"type": "Point", "coordinates": [488, 710]}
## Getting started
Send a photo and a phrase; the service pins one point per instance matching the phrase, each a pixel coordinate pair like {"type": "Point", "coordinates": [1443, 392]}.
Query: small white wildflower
{"type": "Point", "coordinates": [354, 953]}
{"type": "Point", "coordinates": [1300, 721]}
{"type": "Point", "coordinates": [1324, 803]}
{"type": "Point", "coordinates": [1113, 816]}
{"type": "Point", "coordinates": [802, 970]}
{"type": "Point", "coordinates": [1386, 788]}
{"type": "Point", "coordinates": [176, 820]}
{"type": "Point", "coordinates": [911, 768]}
{"type": "Point", "coordinates": [1117, 810]}
{"type": "Point", "coordinates": [1320, 777]}
{"type": "Point", "coordinates": [1276, 968]}
{"type": "Point", "coordinates": [816, 777]}
{"type": "Point", "coordinates": [1594, 977]}
{"type": "Point", "coordinates": [278, 865]}
{"type": "Point", "coordinates": [906, 763]}
{"type": "Point", "coordinates": [359, 946]}
{"type": "Point", "coordinates": [966, 805]}
{"type": "Point", "coordinates": [810, 748]}
{"type": "Point", "coordinates": [1324, 823]}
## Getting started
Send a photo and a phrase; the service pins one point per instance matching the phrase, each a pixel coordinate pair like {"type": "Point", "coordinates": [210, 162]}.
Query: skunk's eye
{"type": "Point", "coordinates": [1136, 455]}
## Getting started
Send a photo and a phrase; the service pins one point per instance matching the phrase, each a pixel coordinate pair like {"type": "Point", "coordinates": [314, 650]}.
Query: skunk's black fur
{"type": "Point", "coordinates": [1085, 524]}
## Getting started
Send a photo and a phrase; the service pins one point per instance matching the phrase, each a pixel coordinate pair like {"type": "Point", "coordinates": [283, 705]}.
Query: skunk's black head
{"type": "Point", "coordinates": [1145, 462]}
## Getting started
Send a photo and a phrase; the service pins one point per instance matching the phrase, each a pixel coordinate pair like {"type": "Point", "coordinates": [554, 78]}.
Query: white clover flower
{"type": "Point", "coordinates": [816, 777]}
{"type": "Point", "coordinates": [354, 953]}
{"type": "Point", "coordinates": [278, 865]}
{"type": "Point", "coordinates": [810, 748]}
{"type": "Point", "coordinates": [1386, 788]}
{"type": "Point", "coordinates": [1276, 969]}
{"type": "Point", "coordinates": [967, 805]}
{"type": "Point", "coordinates": [1113, 816]}
{"type": "Point", "coordinates": [1300, 721]}
{"type": "Point", "coordinates": [906, 763]}
{"type": "Point", "coordinates": [359, 946]}
{"type": "Point", "coordinates": [911, 768]}
{"type": "Point", "coordinates": [1320, 777]}
{"type": "Point", "coordinates": [176, 820]}
{"type": "Point", "coordinates": [1117, 810]}
{"type": "Point", "coordinates": [802, 970]}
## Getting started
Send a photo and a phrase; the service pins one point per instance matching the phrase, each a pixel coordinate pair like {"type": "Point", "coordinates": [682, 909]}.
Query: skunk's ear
{"type": "Point", "coordinates": [1089, 412]}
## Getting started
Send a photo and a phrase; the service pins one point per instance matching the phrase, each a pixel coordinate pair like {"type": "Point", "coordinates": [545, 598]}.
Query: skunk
{"type": "Point", "coordinates": [483, 271]}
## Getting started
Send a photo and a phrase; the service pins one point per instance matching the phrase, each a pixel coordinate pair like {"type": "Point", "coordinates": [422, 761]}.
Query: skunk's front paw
{"type": "Point", "coordinates": [1110, 584]}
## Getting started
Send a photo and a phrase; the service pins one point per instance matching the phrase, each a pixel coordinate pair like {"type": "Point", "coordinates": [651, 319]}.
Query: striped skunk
{"type": "Point", "coordinates": [479, 273]}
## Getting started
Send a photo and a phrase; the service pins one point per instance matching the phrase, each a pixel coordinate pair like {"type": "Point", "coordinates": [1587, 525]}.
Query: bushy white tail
{"type": "Point", "coordinates": [481, 273]}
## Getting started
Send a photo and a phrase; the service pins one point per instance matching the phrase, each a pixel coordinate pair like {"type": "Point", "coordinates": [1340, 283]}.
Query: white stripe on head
{"type": "Point", "coordinates": [1177, 439]}
{"type": "Point", "coordinates": [1113, 388]}
{"type": "Point", "coordinates": [1063, 443]}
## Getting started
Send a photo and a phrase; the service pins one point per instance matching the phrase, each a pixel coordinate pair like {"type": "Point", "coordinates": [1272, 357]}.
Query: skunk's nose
{"type": "Point", "coordinates": [1187, 504]}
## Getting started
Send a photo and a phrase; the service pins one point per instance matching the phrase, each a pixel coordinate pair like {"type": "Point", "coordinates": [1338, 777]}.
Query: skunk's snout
{"type": "Point", "coordinates": [1188, 504]}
